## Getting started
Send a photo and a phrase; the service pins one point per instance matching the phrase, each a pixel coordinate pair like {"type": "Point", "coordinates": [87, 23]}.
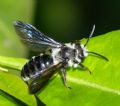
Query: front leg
{"type": "Point", "coordinates": [76, 63]}
{"type": "Point", "coordinates": [84, 67]}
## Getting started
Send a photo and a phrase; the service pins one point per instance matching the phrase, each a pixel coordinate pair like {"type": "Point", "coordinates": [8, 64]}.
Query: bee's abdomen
{"type": "Point", "coordinates": [36, 66]}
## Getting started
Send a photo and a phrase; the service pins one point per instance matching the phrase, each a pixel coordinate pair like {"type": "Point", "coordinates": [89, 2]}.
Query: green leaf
{"type": "Point", "coordinates": [11, 83]}
{"type": "Point", "coordinates": [14, 86]}
{"type": "Point", "coordinates": [7, 100]}
{"type": "Point", "coordinates": [100, 88]}
{"type": "Point", "coordinates": [3, 69]}
{"type": "Point", "coordinates": [15, 63]}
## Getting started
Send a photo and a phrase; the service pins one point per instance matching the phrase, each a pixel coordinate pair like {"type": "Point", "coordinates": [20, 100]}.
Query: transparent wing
{"type": "Point", "coordinates": [40, 81]}
{"type": "Point", "coordinates": [33, 38]}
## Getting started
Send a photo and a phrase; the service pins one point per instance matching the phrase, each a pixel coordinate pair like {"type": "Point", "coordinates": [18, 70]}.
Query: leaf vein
{"type": "Point", "coordinates": [93, 85]}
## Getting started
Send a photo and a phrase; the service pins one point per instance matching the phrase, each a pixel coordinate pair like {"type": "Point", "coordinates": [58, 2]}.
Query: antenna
{"type": "Point", "coordinates": [93, 29]}
{"type": "Point", "coordinates": [97, 54]}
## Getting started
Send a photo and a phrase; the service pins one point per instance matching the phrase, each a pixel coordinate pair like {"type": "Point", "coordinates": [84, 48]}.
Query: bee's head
{"type": "Point", "coordinates": [81, 49]}
{"type": "Point", "coordinates": [76, 52]}
{"type": "Point", "coordinates": [82, 52]}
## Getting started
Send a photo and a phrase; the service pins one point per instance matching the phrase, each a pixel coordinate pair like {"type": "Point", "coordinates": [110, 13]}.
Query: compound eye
{"type": "Point", "coordinates": [80, 56]}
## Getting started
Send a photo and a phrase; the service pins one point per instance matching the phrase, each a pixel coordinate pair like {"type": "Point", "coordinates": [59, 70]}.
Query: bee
{"type": "Point", "coordinates": [55, 56]}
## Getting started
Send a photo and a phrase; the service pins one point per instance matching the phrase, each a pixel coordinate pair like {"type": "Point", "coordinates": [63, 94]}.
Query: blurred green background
{"type": "Point", "coordinates": [63, 20]}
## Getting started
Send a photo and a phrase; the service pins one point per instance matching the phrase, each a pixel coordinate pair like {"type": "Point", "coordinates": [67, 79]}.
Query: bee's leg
{"type": "Point", "coordinates": [63, 75]}
{"type": "Point", "coordinates": [84, 67]}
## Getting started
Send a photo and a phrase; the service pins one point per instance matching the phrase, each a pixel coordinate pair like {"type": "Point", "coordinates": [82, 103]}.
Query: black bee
{"type": "Point", "coordinates": [37, 71]}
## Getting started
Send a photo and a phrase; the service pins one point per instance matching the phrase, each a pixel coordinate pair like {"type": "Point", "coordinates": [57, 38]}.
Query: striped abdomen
{"type": "Point", "coordinates": [35, 67]}
{"type": "Point", "coordinates": [37, 72]}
